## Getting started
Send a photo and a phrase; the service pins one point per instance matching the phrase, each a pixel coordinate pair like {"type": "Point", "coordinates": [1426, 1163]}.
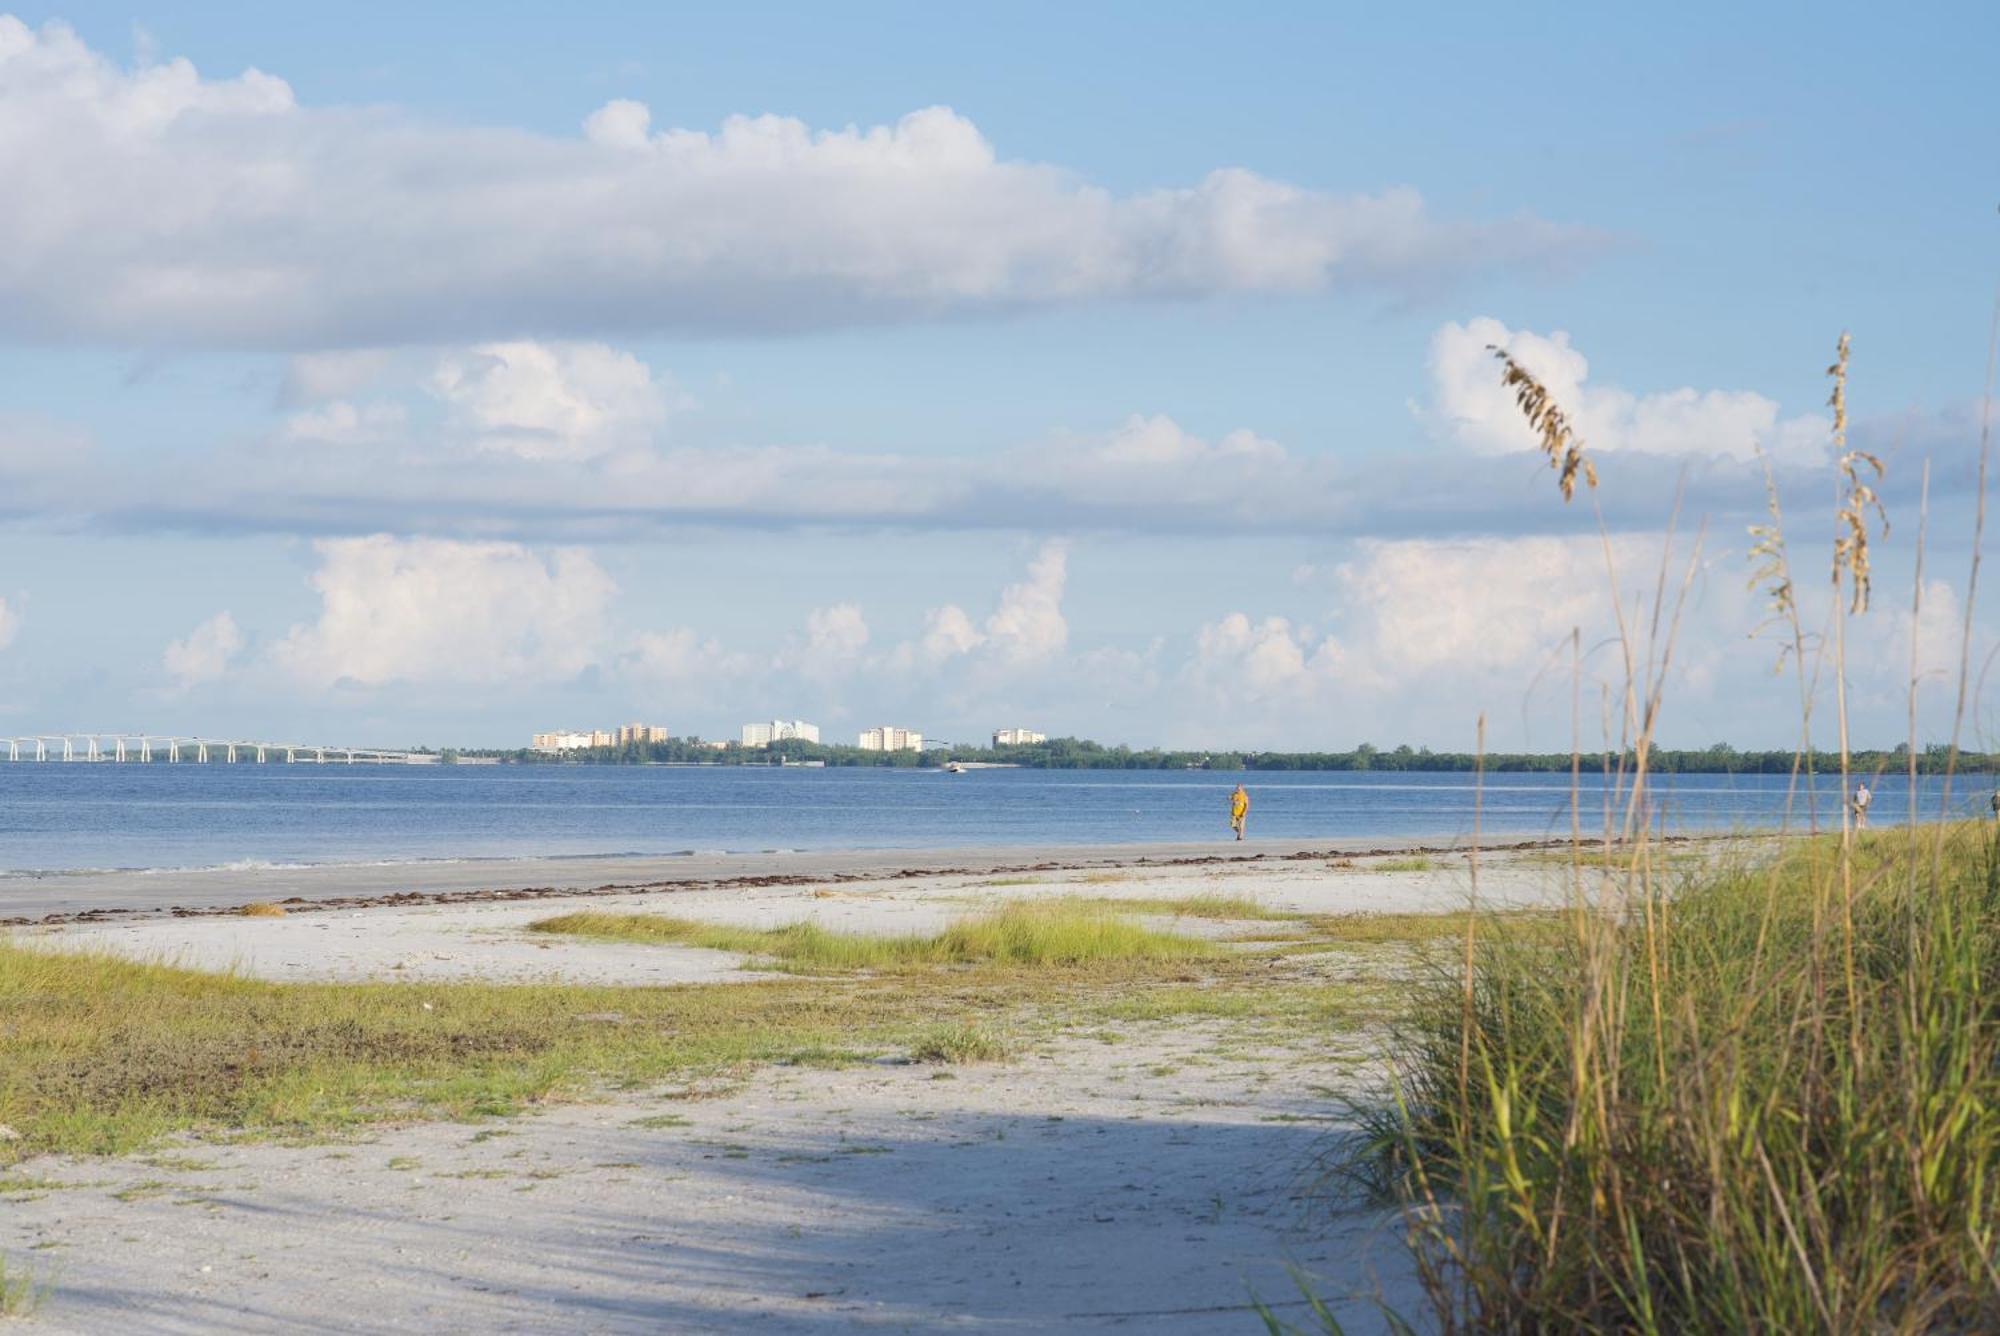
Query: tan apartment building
{"type": "Point", "coordinates": [890, 738]}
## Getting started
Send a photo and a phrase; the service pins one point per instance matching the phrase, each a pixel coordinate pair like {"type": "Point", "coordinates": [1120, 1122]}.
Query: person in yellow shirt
{"type": "Point", "coordinates": [1239, 810]}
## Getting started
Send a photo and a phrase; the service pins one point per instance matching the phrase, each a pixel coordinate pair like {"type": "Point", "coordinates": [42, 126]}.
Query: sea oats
{"type": "Point", "coordinates": [1559, 439]}
{"type": "Point", "coordinates": [1858, 495]}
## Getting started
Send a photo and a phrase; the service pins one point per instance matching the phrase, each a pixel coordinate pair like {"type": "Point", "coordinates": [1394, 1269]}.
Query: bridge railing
{"type": "Point", "coordinates": [168, 748]}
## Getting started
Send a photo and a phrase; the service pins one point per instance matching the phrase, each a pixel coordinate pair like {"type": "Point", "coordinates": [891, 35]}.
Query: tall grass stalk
{"type": "Point", "coordinates": [1758, 1097]}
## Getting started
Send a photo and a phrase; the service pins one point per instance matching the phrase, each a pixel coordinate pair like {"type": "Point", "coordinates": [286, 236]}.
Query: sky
{"type": "Point", "coordinates": [381, 377]}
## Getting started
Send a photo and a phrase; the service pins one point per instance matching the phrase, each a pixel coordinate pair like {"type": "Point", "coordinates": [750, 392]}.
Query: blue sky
{"type": "Point", "coordinates": [469, 372]}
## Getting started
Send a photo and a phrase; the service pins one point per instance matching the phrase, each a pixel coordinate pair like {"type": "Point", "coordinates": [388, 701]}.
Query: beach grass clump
{"type": "Point", "coordinates": [1767, 1101]}
{"type": "Point", "coordinates": [959, 1042]}
{"type": "Point", "coordinates": [262, 909]}
{"type": "Point", "coordinates": [20, 1292]}
{"type": "Point", "coordinates": [1213, 906]}
{"type": "Point", "coordinates": [1413, 864]}
{"type": "Point", "coordinates": [1054, 933]}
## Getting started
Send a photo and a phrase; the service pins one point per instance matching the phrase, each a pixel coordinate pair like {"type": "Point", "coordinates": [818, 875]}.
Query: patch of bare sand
{"type": "Point", "coordinates": [1156, 1183]}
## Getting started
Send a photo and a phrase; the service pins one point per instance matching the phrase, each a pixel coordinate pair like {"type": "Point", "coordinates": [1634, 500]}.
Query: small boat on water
{"type": "Point", "coordinates": [953, 768]}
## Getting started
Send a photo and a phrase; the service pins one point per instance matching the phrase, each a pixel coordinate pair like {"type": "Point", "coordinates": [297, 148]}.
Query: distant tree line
{"type": "Point", "coordinates": [1083, 754]}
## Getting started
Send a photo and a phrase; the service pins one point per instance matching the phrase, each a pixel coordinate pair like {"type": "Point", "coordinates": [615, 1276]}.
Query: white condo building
{"type": "Point", "coordinates": [779, 730]}
{"type": "Point", "coordinates": [1017, 737]}
{"type": "Point", "coordinates": [563, 740]}
{"type": "Point", "coordinates": [890, 738]}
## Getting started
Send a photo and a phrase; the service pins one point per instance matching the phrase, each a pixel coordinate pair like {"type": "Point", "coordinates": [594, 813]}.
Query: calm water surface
{"type": "Point", "coordinates": [56, 817]}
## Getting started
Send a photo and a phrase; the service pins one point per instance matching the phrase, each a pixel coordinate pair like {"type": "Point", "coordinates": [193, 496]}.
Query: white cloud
{"type": "Point", "coordinates": [619, 123]}
{"type": "Point", "coordinates": [343, 423]}
{"type": "Point", "coordinates": [10, 624]}
{"type": "Point", "coordinates": [1417, 622]}
{"type": "Point", "coordinates": [1258, 658]}
{"type": "Point", "coordinates": [694, 664]}
{"type": "Point", "coordinates": [312, 378]}
{"type": "Point", "coordinates": [155, 206]}
{"type": "Point", "coordinates": [948, 633]}
{"type": "Point", "coordinates": [551, 400]}
{"type": "Point", "coordinates": [1027, 626]}
{"type": "Point", "coordinates": [427, 610]}
{"type": "Point", "coordinates": [1157, 442]}
{"type": "Point", "coordinates": [1474, 408]}
{"type": "Point", "coordinates": [835, 639]}
{"type": "Point", "coordinates": [206, 654]}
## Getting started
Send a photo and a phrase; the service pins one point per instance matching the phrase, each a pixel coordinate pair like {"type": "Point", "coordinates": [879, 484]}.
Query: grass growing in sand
{"type": "Point", "coordinates": [1733, 1098]}
{"type": "Point", "coordinates": [1029, 934]}
{"type": "Point", "coordinates": [20, 1293]}
{"type": "Point", "coordinates": [1727, 1113]}
{"type": "Point", "coordinates": [960, 1041]}
{"type": "Point", "coordinates": [1221, 908]}
{"type": "Point", "coordinates": [1416, 864]}
{"type": "Point", "coordinates": [262, 909]}
{"type": "Point", "coordinates": [106, 1055]}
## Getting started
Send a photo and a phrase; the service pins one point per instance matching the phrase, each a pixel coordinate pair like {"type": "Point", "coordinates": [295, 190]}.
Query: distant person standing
{"type": "Point", "coordinates": [1862, 797]}
{"type": "Point", "coordinates": [1239, 810]}
{"type": "Point", "coordinates": [1995, 800]}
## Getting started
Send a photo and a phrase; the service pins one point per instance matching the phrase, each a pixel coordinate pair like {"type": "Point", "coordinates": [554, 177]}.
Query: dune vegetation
{"type": "Point", "coordinates": [1769, 1101]}
{"type": "Point", "coordinates": [1761, 1096]}
{"type": "Point", "coordinates": [1025, 934]}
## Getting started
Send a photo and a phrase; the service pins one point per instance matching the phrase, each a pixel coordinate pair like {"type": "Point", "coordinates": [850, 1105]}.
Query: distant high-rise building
{"type": "Point", "coordinates": [891, 738]}
{"type": "Point", "coordinates": [563, 740]}
{"type": "Point", "coordinates": [779, 730]}
{"type": "Point", "coordinates": [1017, 737]}
{"type": "Point", "coordinates": [641, 733]}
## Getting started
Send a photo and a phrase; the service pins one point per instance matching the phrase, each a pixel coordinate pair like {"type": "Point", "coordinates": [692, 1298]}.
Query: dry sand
{"type": "Point", "coordinates": [1144, 1176]}
{"type": "Point", "coordinates": [480, 939]}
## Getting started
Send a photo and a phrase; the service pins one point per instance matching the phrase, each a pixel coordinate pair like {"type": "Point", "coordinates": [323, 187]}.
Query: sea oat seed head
{"type": "Point", "coordinates": [1546, 418]}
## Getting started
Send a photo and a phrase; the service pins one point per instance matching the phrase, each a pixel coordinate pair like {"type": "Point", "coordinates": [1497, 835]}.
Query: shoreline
{"type": "Point", "coordinates": [132, 895]}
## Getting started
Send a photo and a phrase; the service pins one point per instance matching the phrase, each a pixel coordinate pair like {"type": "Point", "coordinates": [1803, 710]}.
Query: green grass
{"type": "Point", "coordinates": [1416, 864]}
{"type": "Point", "coordinates": [105, 1055]}
{"type": "Point", "coordinates": [1221, 908]}
{"type": "Point", "coordinates": [1769, 1100]}
{"type": "Point", "coordinates": [20, 1292]}
{"type": "Point", "coordinates": [960, 1041]}
{"type": "Point", "coordinates": [1026, 934]}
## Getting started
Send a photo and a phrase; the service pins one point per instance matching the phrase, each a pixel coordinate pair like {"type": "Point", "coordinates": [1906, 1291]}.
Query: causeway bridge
{"type": "Point", "coordinates": [160, 748]}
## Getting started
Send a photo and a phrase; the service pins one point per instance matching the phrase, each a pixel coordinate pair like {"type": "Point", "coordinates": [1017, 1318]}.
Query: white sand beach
{"type": "Point", "coordinates": [1122, 1174]}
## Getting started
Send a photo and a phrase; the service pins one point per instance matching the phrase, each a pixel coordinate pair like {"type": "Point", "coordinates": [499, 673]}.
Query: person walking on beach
{"type": "Point", "coordinates": [1239, 810]}
{"type": "Point", "coordinates": [1862, 797]}
{"type": "Point", "coordinates": [1996, 805]}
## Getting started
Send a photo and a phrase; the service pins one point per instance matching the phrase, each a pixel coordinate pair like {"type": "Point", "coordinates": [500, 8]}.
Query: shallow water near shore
{"type": "Point", "coordinates": [60, 818]}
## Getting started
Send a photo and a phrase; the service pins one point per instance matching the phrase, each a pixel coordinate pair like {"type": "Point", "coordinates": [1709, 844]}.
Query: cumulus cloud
{"type": "Point", "coordinates": [206, 654]}
{"type": "Point", "coordinates": [428, 610]}
{"type": "Point", "coordinates": [551, 400]}
{"type": "Point", "coordinates": [343, 423]}
{"type": "Point", "coordinates": [316, 377]}
{"type": "Point", "coordinates": [153, 205]}
{"type": "Point", "coordinates": [1471, 405]}
{"type": "Point", "coordinates": [835, 638]}
{"type": "Point", "coordinates": [696, 666]}
{"type": "Point", "coordinates": [1258, 658]}
{"type": "Point", "coordinates": [1468, 621]}
{"type": "Point", "coordinates": [1027, 627]}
